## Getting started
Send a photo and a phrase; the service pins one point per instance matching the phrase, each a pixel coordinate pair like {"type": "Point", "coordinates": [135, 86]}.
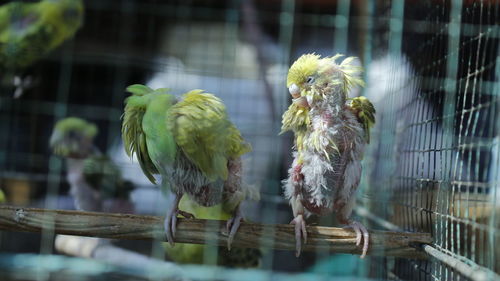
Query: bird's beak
{"type": "Point", "coordinates": [302, 101]}
{"type": "Point", "coordinates": [294, 91]}
{"type": "Point", "coordinates": [297, 97]}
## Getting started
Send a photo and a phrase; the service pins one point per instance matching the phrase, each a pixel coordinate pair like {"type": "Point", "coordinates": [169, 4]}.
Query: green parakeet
{"type": "Point", "coordinates": [330, 131]}
{"type": "Point", "coordinates": [192, 144]}
{"type": "Point", "coordinates": [95, 181]}
{"type": "Point", "coordinates": [29, 31]}
{"type": "Point", "coordinates": [194, 254]}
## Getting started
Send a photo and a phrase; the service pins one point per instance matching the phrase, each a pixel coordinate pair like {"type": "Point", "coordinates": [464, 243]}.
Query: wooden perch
{"type": "Point", "coordinates": [196, 231]}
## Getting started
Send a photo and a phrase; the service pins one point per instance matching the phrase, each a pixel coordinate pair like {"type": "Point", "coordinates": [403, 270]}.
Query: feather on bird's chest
{"type": "Point", "coordinates": [332, 145]}
{"type": "Point", "coordinates": [185, 178]}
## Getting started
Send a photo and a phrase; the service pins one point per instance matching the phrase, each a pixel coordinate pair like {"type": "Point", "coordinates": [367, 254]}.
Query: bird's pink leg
{"type": "Point", "coordinates": [344, 210]}
{"type": "Point", "coordinates": [361, 231]}
{"type": "Point", "coordinates": [298, 210]}
{"type": "Point", "coordinates": [300, 232]}
{"type": "Point", "coordinates": [170, 223]}
{"type": "Point", "coordinates": [232, 226]}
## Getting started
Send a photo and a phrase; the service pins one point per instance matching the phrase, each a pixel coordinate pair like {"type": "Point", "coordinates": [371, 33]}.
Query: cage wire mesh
{"type": "Point", "coordinates": [435, 161]}
{"type": "Point", "coordinates": [432, 70]}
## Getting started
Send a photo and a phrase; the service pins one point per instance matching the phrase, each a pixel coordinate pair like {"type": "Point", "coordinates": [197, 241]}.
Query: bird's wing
{"type": "Point", "coordinates": [134, 138]}
{"type": "Point", "coordinates": [365, 112]}
{"type": "Point", "coordinates": [202, 130]}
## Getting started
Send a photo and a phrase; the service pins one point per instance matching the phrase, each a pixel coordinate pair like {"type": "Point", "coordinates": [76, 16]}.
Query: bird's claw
{"type": "Point", "coordinates": [361, 232]}
{"type": "Point", "coordinates": [21, 85]}
{"type": "Point", "coordinates": [300, 232]}
{"type": "Point", "coordinates": [232, 226]}
{"type": "Point", "coordinates": [171, 224]}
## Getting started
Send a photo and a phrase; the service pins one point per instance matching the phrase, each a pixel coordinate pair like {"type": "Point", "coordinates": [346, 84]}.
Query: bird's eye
{"type": "Point", "coordinates": [310, 79]}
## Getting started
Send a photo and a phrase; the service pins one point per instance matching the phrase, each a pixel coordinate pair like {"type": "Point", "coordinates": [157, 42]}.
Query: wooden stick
{"type": "Point", "coordinates": [196, 231]}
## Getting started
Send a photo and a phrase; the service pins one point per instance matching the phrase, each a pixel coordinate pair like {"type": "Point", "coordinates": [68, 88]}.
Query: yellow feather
{"type": "Point", "coordinates": [302, 68]}
{"type": "Point", "coordinates": [365, 111]}
{"type": "Point", "coordinates": [203, 131]}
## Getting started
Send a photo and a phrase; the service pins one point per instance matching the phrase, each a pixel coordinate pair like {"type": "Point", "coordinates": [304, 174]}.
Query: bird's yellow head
{"type": "Point", "coordinates": [301, 77]}
{"type": "Point", "coordinates": [73, 137]}
{"type": "Point", "coordinates": [312, 78]}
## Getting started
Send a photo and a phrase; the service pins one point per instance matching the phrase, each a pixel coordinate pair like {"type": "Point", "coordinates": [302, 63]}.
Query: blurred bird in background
{"type": "Point", "coordinates": [331, 131]}
{"type": "Point", "coordinates": [3, 198]}
{"type": "Point", "coordinates": [95, 181]}
{"type": "Point", "coordinates": [30, 31]}
{"type": "Point", "coordinates": [193, 145]}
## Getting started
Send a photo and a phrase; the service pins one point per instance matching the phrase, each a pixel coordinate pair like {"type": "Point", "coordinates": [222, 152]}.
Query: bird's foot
{"type": "Point", "coordinates": [21, 85]}
{"type": "Point", "coordinates": [170, 223]}
{"type": "Point", "coordinates": [300, 232]}
{"type": "Point", "coordinates": [361, 232]}
{"type": "Point", "coordinates": [232, 226]}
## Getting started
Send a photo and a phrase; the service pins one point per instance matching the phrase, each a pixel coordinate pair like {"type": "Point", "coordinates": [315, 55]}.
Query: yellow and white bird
{"type": "Point", "coordinates": [331, 131]}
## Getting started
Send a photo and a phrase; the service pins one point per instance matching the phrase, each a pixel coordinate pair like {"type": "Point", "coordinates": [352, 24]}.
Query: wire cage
{"type": "Point", "coordinates": [432, 71]}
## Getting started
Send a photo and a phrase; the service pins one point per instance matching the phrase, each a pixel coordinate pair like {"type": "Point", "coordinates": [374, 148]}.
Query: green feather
{"type": "Point", "coordinates": [103, 175]}
{"type": "Point", "coordinates": [202, 129]}
{"type": "Point", "coordinates": [2, 197]}
{"type": "Point", "coordinates": [68, 133]}
{"type": "Point", "coordinates": [365, 112]}
{"type": "Point", "coordinates": [29, 31]}
{"type": "Point", "coordinates": [139, 90]}
{"type": "Point", "coordinates": [296, 119]}
{"type": "Point", "coordinates": [155, 126]}
{"type": "Point", "coordinates": [159, 141]}
{"type": "Point", "coordinates": [137, 125]}
{"type": "Point", "coordinates": [76, 124]}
